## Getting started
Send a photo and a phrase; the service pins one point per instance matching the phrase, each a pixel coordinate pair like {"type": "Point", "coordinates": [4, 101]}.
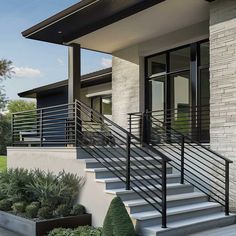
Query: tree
{"type": "Point", "coordinates": [5, 121]}
{"type": "Point", "coordinates": [6, 71]}
{"type": "Point", "coordinates": [20, 105]}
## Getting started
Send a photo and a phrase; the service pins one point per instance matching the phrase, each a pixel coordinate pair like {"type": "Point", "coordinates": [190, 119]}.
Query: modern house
{"type": "Point", "coordinates": [169, 147]}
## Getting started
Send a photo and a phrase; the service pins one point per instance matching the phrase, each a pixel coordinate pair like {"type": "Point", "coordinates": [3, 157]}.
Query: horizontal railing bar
{"type": "Point", "coordinates": [126, 132]}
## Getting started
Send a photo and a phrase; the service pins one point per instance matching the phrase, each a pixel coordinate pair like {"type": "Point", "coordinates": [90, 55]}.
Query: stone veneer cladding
{"type": "Point", "coordinates": [125, 90]}
{"type": "Point", "coordinates": [223, 84]}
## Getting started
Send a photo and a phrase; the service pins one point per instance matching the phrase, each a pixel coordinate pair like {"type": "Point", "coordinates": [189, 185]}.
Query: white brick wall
{"type": "Point", "coordinates": [223, 84]}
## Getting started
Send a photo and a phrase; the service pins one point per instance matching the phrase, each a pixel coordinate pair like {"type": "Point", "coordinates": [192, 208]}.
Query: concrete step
{"type": "Point", "coordinates": [136, 171]}
{"type": "Point", "coordinates": [191, 226]}
{"type": "Point", "coordinates": [172, 189]}
{"type": "Point", "coordinates": [93, 163]}
{"type": "Point", "coordinates": [140, 205]}
{"type": "Point", "coordinates": [114, 183]}
{"type": "Point", "coordinates": [150, 218]}
{"type": "Point", "coordinates": [135, 151]}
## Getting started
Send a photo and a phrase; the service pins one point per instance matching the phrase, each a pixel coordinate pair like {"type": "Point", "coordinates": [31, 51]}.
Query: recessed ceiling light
{"type": "Point", "coordinates": [59, 32]}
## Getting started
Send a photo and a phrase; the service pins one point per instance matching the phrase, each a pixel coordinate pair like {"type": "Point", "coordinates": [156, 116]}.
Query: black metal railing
{"type": "Point", "coordinates": [191, 121]}
{"type": "Point", "coordinates": [142, 169]}
{"type": "Point", "coordinates": [205, 169]}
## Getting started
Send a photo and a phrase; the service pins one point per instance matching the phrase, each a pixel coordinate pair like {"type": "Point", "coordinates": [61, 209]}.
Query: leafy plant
{"type": "Point", "coordinates": [80, 231]}
{"type": "Point", "coordinates": [45, 213]}
{"type": "Point", "coordinates": [18, 207]}
{"type": "Point", "coordinates": [5, 205]}
{"type": "Point", "coordinates": [12, 184]}
{"type": "Point", "coordinates": [63, 210]}
{"type": "Point", "coordinates": [31, 210]}
{"type": "Point", "coordinates": [78, 209]}
{"type": "Point", "coordinates": [117, 221]}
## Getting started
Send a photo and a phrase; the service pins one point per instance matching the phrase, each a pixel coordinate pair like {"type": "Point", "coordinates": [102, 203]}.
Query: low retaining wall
{"type": "Point", "coordinates": [70, 160]}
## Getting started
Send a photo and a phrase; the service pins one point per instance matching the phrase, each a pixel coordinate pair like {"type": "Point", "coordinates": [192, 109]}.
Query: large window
{"type": "Point", "coordinates": [102, 104]}
{"type": "Point", "coordinates": [178, 80]}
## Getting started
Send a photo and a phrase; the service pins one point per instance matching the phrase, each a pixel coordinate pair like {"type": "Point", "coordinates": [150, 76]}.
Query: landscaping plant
{"type": "Point", "coordinates": [80, 231]}
{"type": "Point", "coordinates": [40, 194]}
{"type": "Point", "coordinates": [117, 221]}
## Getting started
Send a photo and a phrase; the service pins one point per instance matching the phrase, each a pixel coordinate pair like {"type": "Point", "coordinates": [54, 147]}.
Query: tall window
{"type": "Point", "coordinates": [178, 80]}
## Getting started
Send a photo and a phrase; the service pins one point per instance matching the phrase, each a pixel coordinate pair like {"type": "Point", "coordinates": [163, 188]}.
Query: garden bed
{"type": "Point", "coordinates": [29, 227]}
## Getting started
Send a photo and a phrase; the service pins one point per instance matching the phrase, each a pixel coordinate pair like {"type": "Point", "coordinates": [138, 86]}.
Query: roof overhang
{"type": "Point", "coordinates": [83, 18]}
{"type": "Point", "coordinates": [91, 79]}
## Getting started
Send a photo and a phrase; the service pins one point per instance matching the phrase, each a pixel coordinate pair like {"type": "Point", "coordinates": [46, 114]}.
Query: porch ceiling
{"type": "Point", "coordinates": [158, 20]}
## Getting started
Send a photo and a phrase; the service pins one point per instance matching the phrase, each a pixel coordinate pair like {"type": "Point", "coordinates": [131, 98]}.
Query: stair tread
{"type": "Point", "coordinates": [175, 210]}
{"type": "Point", "coordinates": [101, 169]}
{"type": "Point", "coordinates": [188, 222]}
{"type": "Point", "coordinates": [140, 158]}
{"type": "Point", "coordinates": [111, 180]}
{"type": "Point", "coordinates": [124, 191]}
{"type": "Point", "coordinates": [175, 197]}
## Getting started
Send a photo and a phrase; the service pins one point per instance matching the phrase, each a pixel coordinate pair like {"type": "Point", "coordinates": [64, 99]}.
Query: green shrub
{"type": "Point", "coordinates": [5, 205]}
{"type": "Point", "coordinates": [31, 210]}
{"type": "Point", "coordinates": [80, 231]}
{"type": "Point", "coordinates": [45, 213]}
{"type": "Point", "coordinates": [13, 183]}
{"type": "Point", "coordinates": [63, 210]}
{"type": "Point", "coordinates": [77, 209]}
{"type": "Point", "coordinates": [117, 221]}
{"type": "Point", "coordinates": [37, 204]}
{"type": "Point", "coordinates": [18, 207]}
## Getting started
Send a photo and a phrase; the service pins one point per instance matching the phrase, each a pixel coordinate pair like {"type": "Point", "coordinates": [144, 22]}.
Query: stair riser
{"type": "Point", "coordinates": [140, 172]}
{"type": "Point", "coordinates": [177, 217]}
{"type": "Point", "coordinates": [195, 228]}
{"type": "Point", "coordinates": [97, 164]}
{"type": "Point", "coordinates": [147, 207]}
{"type": "Point", "coordinates": [170, 191]}
{"type": "Point", "coordinates": [120, 184]}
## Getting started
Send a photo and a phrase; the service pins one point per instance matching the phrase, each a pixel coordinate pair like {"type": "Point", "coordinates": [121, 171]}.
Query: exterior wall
{"type": "Point", "coordinates": [128, 68]}
{"type": "Point", "coordinates": [223, 84]}
{"type": "Point", "coordinates": [125, 89]}
{"type": "Point", "coordinates": [67, 159]}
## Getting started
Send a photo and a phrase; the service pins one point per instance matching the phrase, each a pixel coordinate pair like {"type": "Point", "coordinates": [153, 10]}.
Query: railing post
{"type": "Point", "coordinates": [12, 129]}
{"type": "Point", "coordinates": [128, 162]}
{"type": "Point", "coordinates": [41, 127]}
{"type": "Point", "coordinates": [226, 188]}
{"type": "Point", "coordinates": [75, 114]}
{"type": "Point", "coordinates": [164, 214]}
{"type": "Point", "coordinates": [182, 160]}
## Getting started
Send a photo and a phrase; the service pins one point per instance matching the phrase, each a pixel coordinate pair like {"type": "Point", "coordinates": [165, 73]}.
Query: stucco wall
{"type": "Point", "coordinates": [223, 84]}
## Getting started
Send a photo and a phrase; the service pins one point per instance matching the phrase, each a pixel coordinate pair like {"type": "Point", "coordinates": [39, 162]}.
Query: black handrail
{"type": "Point", "coordinates": [198, 164]}
{"type": "Point", "coordinates": [111, 145]}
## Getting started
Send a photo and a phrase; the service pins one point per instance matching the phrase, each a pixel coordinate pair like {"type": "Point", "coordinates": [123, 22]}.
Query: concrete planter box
{"type": "Point", "coordinates": [28, 227]}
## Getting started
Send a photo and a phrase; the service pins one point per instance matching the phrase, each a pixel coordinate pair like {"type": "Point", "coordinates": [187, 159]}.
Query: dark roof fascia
{"type": "Point", "coordinates": [85, 17]}
{"type": "Point", "coordinates": [91, 79]}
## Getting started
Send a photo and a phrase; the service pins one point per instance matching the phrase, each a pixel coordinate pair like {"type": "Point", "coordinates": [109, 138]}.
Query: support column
{"type": "Point", "coordinates": [223, 84]}
{"type": "Point", "coordinates": [74, 72]}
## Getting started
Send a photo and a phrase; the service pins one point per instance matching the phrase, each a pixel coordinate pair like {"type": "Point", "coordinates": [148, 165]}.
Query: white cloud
{"type": "Point", "coordinates": [26, 72]}
{"type": "Point", "coordinates": [60, 61]}
{"type": "Point", "coordinates": [106, 62]}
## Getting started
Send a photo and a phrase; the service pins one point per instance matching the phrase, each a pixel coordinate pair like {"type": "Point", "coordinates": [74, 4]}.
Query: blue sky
{"type": "Point", "coordinates": [36, 63]}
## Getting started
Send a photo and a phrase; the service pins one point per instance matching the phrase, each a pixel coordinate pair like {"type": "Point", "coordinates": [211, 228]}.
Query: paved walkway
{"type": "Point", "coordinates": [224, 231]}
{"type": "Point", "coordinates": [4, 232]}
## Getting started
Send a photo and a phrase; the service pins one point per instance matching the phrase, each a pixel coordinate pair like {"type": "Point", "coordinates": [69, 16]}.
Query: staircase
{"type": "Point", "coordinates": [173, 186]}
{"type": "Point", "coordinates": [188, 210]}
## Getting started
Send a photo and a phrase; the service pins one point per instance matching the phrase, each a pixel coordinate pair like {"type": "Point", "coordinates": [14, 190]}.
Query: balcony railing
{"type": "Point", "coordinates": [193, 122]}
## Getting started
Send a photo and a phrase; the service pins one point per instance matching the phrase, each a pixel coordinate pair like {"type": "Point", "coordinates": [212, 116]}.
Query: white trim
{"type": "Point", "coordinates": [107, 92]}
